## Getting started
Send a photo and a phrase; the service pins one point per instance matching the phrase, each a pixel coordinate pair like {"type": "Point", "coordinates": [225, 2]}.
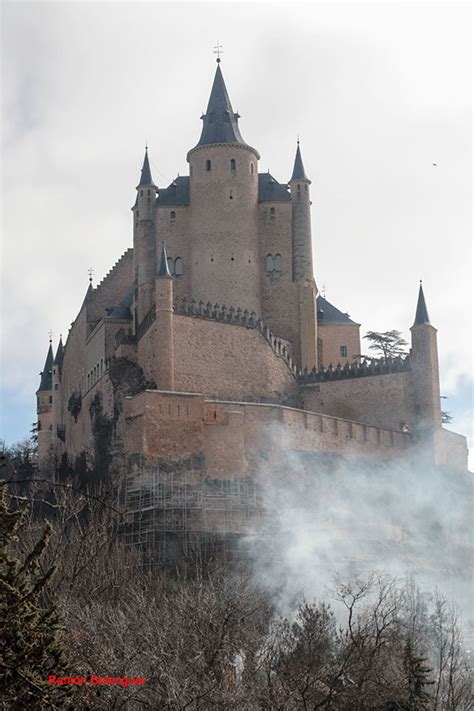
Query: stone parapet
{"type": "Point", "coordinates": [380, 366]}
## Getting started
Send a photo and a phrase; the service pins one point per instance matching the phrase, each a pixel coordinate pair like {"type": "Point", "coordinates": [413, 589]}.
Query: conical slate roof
{"type": "Point", "coordinates": [421, 315]}
{"type": "Point", "coordinates": [298, 168]}
{"type": "Point", "coordinates": [145, 177]}
{"type": "Point", "coordinates": [220, 123]}
{"type": "Point", "coordinates": [46, 382]}
{"type": "Point", "coordinates": [58, 360]}
{"type": "Point", "coordinates": [163, 270]}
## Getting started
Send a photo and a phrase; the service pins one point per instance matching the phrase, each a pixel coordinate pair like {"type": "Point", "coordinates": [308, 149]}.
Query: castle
{"type": "Point", "coordinates": [209, 336]}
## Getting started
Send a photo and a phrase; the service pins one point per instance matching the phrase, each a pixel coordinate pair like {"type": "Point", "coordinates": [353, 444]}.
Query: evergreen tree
{"type": "Point", "coordinates": [30, 647]}
{"type": "Point", "coordinates": [417, 679]}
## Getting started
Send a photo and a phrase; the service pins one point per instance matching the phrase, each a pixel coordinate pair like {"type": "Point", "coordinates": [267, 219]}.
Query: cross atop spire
{"type": "Point", "coordinates": [218, 50]}
{"type": "Point", "coordinates": [421, 315]}
{"type": "Point", "coordinates": [46, 382]}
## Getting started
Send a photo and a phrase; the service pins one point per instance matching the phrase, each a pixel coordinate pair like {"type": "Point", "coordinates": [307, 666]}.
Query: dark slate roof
{"type": "Point", "coordinates": [175, 194]}
{"type": "Point", "coordinates": [220, 123]}
{"type": "Point", "coordinates": [123, 309]}
{"type": "Point", "coordinates": [421, 315]}
{"type": "Point", "coordinates": [145, 177]}
{"type": "Point", "coordinates": [46, 382]}
{"type": "Point", "coordinates": [163, 270]}
{"type": "Point", "coordinates": [327, 313]}
{"type": "Point", "coordinates": [58, 360]}
{"type": "Point", "coordinates": [298, 168]}
{"type": "Point", "coordinates": [270, 190]}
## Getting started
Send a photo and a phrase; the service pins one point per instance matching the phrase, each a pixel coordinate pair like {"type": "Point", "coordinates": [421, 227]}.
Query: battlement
{"type": "Point", "coordinates": [231, 315]}
{"type": "Point", "coordinates": [381, 366]}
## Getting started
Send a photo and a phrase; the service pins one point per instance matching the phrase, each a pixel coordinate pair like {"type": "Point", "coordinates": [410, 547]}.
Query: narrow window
{"type": "Point", "coordinates": [141, 193]}
{"type": "Point", "coordinates": [149, 193]}
{"type": "Point", "coordinates": [231, 197]}
{"type": "Point", "coordinates": [277, 263]}
{"type": "Point", "coordinates": [172, 215]}
{"type": "Point", "coordinates": [269, 263]}
{"type": "Point", "coordinates": [306, 188]}
{"type": "Point", "coordinates": [233, 165]}
{"type": "Point", "coordinates": [50, 399]}
{"type": "Point", "coordinates": [191, 171]}
{"type": "Point", "coordinates": [343, 351]}
{"type": "Point", "coordinates": [208, 165]}
{"type": "Point", "coordinates": [272, 214]}
{"type": "Point", "coordinates": [178, 266]}
{"type": "Point", "coordinates": [251, 168]}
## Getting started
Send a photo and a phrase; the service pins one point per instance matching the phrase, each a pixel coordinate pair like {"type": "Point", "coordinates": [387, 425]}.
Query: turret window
{"type": "Point", "coordinates": [251, 168]}
{"type": "Point", "coordinates": [208, 165]}
{"type": "Point", "coordinates": [273, 264]}
{"type": "Point", "coordinates": [172, 215]}
{"type": "Point", "coordinates": [233, 165]}
{"type": "Point", "coordinates": [149, 193]}
{"type": "Point", "coordinates": [272, 214]}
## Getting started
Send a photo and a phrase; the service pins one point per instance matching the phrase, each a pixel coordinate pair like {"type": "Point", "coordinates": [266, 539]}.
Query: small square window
{"type": "Point", "coordinates": [343, 351]}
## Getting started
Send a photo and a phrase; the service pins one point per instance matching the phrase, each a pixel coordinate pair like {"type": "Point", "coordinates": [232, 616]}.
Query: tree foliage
{"type": "Point", "coordinates": [387, 344]}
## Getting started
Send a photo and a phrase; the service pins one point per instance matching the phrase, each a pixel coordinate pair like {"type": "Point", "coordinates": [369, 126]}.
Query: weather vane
{"type": "Point", "coordinates": [218, 50]}
{"type": "Point", "coordinates": [324, 291]}
{"type": "Point", "coordinates": [50, 334]}
{"type": "Point", "coordinates": [91, 273]}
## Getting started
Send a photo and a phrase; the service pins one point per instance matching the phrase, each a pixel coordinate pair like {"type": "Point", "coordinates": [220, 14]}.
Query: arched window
{"type": "Point", "coordinates": [172, 215]}
{"type": "Point", "coordinates": [178, 266]}
{"type": "Point", "coordinates": [269, 263]}
{"type": "Point", "coordinates": [272, 214]}
{"type": "Point", "coordinates": [277, 263]}
{"type": "Point", "coordinates": [208, 165]}
{"type": "Point", "coordinates": [233, 164]}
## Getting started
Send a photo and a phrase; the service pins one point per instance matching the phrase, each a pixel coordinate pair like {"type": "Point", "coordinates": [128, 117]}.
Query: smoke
{"type": "Point", "coordinates": [326, 517]}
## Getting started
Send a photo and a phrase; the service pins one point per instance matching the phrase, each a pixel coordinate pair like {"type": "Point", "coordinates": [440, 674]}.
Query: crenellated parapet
{"type": "Point", "coordinates": [380, 366]}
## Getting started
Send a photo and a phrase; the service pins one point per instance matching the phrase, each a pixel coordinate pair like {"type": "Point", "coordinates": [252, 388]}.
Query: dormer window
{"type": "Point", "coordinates": [208, 165]}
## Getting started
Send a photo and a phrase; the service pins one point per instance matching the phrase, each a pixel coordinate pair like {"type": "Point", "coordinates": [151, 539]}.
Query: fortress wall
{"type": "Point", "coordinates": [164, 425]}
{"type": "Point", "coordinates": [232, 435]}
{"type": "Point", "coordinates": [176, 235]}
{"type": "Point", "coordinates": [455, 450]}
{"type": "Point", "coordinates": [229, 361]}
{"type": "Point", "coordinates": [113, 287]}
{"type": "Point", "coordinates": [333, 337]}
{"type": "Point", "coordinates": [278, 292]}
{"type": "Point", "coordinates": [380, 400]}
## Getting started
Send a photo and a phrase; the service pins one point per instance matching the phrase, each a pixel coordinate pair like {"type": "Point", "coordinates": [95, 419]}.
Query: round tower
{"type": "Point", "coordinates": [44, 408]}
{"type": "Point", "coordinates": [225, 257]}
{"type": "Point", "coordinates": [144, 243]}
{"type": "Point", "coordinates": [58, 420]}
{"type": "Point", "coordinates": [303, 273]}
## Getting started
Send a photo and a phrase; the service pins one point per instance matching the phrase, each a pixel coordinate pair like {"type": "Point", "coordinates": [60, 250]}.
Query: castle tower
{"type": "Point", "coordinates": [425, 380]}
{"type": "Point", "coordinates": [223, 209]}
{"type": "Point", "coordinates": [164, 324]}
{"type": "Point", "coordinates": [44, 407]}
{"type": "Point", "coordinates": [58, 420]}
{"type": "Point", "coordinates": [303, 262]}
{"type": "Point", "coordinates": [144, 242]}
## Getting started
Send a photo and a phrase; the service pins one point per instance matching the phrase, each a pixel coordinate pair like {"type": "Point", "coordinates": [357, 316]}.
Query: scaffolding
{"type": "Point", "coordinates": [169, 514]}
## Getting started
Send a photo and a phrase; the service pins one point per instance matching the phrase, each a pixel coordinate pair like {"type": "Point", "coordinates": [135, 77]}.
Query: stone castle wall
{"type": "Point", "coordinates": [332, 337]}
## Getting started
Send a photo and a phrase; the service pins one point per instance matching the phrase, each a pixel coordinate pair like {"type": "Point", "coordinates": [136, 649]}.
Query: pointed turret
{"type": "Point", "coordinates": [298, 167]}
{"type": "Point", "coordinates": [220, 123]}
{"type": "Point", "coordinates": [46, 382]}
{"type": "Point", "coordinates": [164, 270]}
{"type": "Point", "coordinates": [145, 176]}
{"type": "Point", "coordinates": [421, 315]}
{"type": "Point", "coordinates": [58, 360]}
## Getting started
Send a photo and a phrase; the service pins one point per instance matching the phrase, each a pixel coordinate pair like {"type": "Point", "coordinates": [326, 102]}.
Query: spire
{"type": "Point", "coordinates": [46, 382]}
{"type": "Point", "coordinates": [298, 168]}
{"type": "Point", "coordinates": [421, 310]}
{"type": "Point", "coordinates": [220, 124]}
{"type": "Point", "coordinates": [164, 270]}
{"type": "Point", "coordinates": [58, 360]}
{"type": "Point", "coordinates": [145, 177]}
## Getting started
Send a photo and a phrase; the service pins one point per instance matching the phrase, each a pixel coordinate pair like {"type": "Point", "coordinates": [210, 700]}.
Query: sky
{"type": "Point", "coordinates": [379, 94]}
